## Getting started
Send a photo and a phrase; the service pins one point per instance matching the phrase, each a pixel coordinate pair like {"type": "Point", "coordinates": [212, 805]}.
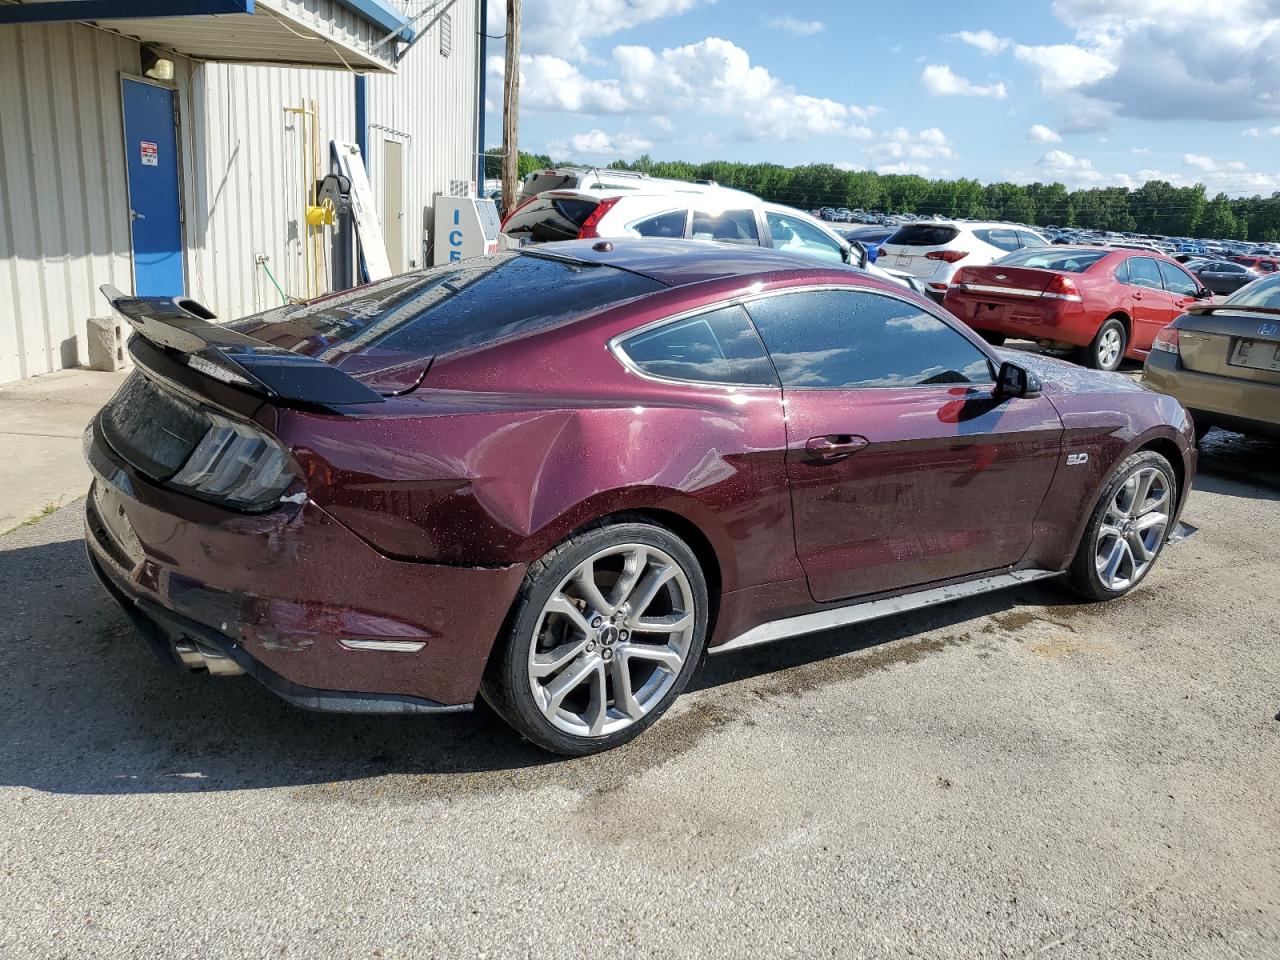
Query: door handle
{"type": "Point", "coordinates": [1137, 296]}
{"type": "Point", "coordinates": [834, 446]}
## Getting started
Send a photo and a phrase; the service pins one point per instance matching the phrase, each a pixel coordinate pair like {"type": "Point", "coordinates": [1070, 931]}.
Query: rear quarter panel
{"type": "Point", "coordinates": [1108, 417]}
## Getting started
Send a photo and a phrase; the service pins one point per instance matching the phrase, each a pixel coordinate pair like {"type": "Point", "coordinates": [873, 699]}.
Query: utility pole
{"type": "Point", "coordinates": [511, 111]}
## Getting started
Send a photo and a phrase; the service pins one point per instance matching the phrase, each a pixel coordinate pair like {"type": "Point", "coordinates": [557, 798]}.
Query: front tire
{"type": "Point", "coordinates": [1128, 528]}
{"type": "Point", "coordinates": [995, 339]}
{"type": "Point", "coordinates": [1108, 347]}
{"type": "Point", "coordinates": [606, 632]}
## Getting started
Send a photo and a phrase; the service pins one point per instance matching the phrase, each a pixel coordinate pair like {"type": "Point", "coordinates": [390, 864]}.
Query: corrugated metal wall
{"type": "Point", "coordinates": [245, 190]}
{"type": "Point", "coordinates": [64, 215]}
{"type": "Point", "coordinates": [64, 227]}
{"type": "Point", "coordinates": [430, 106]}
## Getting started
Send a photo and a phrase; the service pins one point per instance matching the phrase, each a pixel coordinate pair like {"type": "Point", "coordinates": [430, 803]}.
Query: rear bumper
{"type": "Point", "coordinates": [1059, 321]}
{"type": "Point", "coordinates": [1216, 400]}
{"type": "Point", "coordinates": [293, 598]}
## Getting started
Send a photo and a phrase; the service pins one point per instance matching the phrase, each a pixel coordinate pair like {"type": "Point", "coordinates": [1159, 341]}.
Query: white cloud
{"type": "Point", "coordinates": [1039, 133]}
{"type": "Point", "coordinates": [712, 77]}
{"type": "Point", "coordinates": [798, 28]}
{"type": "Point", "coordinates": [1140, 152]}
{"type": "Point", "coordinates": [555, 85]}
{"type": "Point", "coordinates": [901, 151]}
{"type": "Point", "coordinates": [600, 144]}
{"type": "Point", "coordinates": [662, 122]}
{"type": "Point", "coordinates": [1160, 59]}
{"type": "Point", "coordinates": [562, 28]}
{"type": "Point", "coordinates": [984, 40]}
{"type": "Point", "coordinates": [1232, 179]}
{"type": "Point", "coordinates": [1064, 66]}
{"type": "Point", "coordinates": [1199, 161]}
{"type": "Point", "coordinates": [941, 81]}
{"type": "Point", "coordinates": [1256, 132]}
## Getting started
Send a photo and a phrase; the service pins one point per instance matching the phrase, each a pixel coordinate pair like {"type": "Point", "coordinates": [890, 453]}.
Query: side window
{"type": "Point", "coordinates": [1143, 272]}
{"type": "Point", "coordinates": [1176, 281]}
{"type": "Point", "coordinates": [1029, 239]}
{"type": "Point", "coordinates": [727, 226]}
{"type": "Point", "coordinates": [716, 347]}
{"type": "Point", "coordinates": [1002, 238]}
{"type": "Point", "coordinates": [796, 236]}
{"type": "Point", "coordinates": [670, 224]}
{"type": "Point", "coordinates": [1122, 272]}
{"type": "Point", "coordinates": [851, 339]}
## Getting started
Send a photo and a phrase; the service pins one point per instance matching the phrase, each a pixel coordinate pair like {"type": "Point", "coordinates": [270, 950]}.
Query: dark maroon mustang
{"type": "Point", "coordinates": [554, 478]}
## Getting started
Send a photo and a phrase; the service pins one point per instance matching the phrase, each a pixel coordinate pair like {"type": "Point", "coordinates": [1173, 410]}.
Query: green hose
{"type": "Point", "coordinates": [283, 298]}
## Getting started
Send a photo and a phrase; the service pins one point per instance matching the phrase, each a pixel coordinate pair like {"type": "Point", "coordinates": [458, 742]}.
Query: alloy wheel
{"type": "Point", "coordinates": [1110, 343]}
{"type": "Point", "coordinates": [611, 640]}
{"type": "Point", "coordinates": [1133, 529]}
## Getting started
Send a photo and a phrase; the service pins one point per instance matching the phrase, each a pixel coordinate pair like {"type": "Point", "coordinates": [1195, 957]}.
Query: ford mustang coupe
{"type": "Point", "coordinates": [554, 478]}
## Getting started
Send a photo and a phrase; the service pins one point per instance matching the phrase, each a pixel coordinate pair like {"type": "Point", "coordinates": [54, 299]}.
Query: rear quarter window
{"type": "Point", "coordinates": [720, 346]}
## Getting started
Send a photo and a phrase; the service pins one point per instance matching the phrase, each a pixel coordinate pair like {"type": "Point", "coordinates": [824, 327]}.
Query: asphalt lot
{"type": "Point", "coordinates": [1017, 775]}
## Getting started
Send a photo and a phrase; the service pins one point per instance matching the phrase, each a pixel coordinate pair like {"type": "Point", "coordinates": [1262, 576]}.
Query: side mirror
{"type": "Point", "coordinates": [1015, 381]}
{"type": "Point", "coordinates": [1204, 293]}
{"type": "Point", "coordinates": [858, 254]}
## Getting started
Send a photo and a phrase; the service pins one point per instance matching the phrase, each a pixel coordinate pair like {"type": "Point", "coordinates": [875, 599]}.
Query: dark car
{"type": "Point", "coordinates": [553, 477]}
{"type": "Point", "coordinates": [1223, 276]}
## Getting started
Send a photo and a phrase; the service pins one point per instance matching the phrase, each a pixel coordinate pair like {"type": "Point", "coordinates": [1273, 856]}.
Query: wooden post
{"type": "Point", "coordinates": [511, 111]}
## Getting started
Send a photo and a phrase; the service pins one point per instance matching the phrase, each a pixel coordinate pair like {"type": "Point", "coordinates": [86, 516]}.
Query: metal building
{"type": "Point", "coordinates": [169, 147]}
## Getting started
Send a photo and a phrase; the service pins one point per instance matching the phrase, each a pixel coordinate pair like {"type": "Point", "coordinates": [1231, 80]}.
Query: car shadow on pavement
{"type": "Point", "coordinates": [89, 710]}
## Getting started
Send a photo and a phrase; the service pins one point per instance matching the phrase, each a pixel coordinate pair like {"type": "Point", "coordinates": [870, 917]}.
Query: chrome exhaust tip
{"type": "Point", "coordinates": [201, 656]}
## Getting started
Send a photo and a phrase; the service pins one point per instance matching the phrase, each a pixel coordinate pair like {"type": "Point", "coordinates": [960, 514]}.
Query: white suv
{"type": "Point", "coordinates": [703, 213]}
{"type": "Point", "coordinates": [598, 179]}
{"type": "Point", "coordinates": [933, 251]}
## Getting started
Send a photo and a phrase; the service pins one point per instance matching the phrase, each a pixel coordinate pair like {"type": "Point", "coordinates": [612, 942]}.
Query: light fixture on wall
{"type": "Point", "coordinates": [155, 66]}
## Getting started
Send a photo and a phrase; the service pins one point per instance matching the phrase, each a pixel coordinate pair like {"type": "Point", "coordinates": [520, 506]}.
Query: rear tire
{"type": "Point", "coordinates": [1108, 347]}
{"type": "Point", "coordinates": [606, 631]}
{"type": "Point", "coordinates": [1201, 430]}
{"type": "Point", "coordinates": [1128, 528]}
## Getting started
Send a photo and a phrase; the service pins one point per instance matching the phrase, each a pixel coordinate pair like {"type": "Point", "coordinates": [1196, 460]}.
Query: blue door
{"type": "Point", "coordinates": [151, 145]}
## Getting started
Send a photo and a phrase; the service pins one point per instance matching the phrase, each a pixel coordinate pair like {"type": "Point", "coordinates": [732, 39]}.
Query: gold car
{"type": "Point", "coordinates": [1222, 361]}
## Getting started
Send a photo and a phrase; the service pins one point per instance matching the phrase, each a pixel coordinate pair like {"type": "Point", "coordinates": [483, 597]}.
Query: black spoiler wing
{"type": "Point", "coordinates": [184, 326]}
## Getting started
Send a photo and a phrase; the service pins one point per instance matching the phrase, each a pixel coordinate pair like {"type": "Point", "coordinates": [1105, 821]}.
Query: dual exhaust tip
{"type": "Point", "coordinates": [201, 656]}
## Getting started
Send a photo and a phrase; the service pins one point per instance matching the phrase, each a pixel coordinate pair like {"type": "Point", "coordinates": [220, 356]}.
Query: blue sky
{"type": "Point", "coordinates": [1086, 92]}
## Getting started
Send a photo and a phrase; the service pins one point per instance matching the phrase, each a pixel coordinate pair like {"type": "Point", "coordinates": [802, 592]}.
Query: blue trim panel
{"type": "Point", "coordinates": [383, 14]}
{"type": "Point", "coordinates": [118, 10]}
{"type": "Point", "coordinates": [362, 116]}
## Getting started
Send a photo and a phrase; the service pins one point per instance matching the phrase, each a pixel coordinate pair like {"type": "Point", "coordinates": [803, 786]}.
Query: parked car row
{"type": "Point", "coordinates": [694, 212]}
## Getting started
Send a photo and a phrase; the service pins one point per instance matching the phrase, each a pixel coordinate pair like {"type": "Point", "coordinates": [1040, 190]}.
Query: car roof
{"type": "Point", "coordinates": [655, 191]}
{"type": "Point", "coordinates": [677, 263]}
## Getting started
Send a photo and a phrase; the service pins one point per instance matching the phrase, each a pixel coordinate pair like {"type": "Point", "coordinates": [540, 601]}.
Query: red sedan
{"type": "Point", "coordinates": [1108, 303]}
{"type": "Point", "coordinates": [556, 476]}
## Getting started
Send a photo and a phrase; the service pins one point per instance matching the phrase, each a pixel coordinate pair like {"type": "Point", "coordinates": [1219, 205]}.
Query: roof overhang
{"type": "Point", "coordinates": [357, 34]}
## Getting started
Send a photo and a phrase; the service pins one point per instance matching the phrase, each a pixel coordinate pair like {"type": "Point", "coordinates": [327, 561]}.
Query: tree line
{"type": "Point", "coordinates": [1156, 207]}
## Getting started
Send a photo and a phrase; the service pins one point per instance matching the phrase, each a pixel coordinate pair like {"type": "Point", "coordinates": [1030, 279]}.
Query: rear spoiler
{"type": "Point", "coordinates": [1202, 309]}
{"type": "Point", "coordinates": [184, 326]}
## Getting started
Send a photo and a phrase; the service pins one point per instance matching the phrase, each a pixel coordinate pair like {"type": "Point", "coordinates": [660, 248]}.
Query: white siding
{"type": "Point", "coordinates": [64, 227]}
{"type": "Point", "coordinates": [64, 215]}
{"type": "Point", "coordinates": [433, 101]}
{"type": "Point", "coordinates": [244, 185]}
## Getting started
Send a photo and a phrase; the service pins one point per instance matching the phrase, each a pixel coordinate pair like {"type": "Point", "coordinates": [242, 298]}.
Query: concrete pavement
{"type": "Point", "coordinates": [41, 422]}
{"type": "Point", "coordinates": [1019, 775]}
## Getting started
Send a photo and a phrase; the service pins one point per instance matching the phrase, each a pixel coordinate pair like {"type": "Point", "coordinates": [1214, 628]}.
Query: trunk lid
{"type": "Point", "coordinates": [1242, 343]}
{"type": "Point", "coordinates": [1005, 282]}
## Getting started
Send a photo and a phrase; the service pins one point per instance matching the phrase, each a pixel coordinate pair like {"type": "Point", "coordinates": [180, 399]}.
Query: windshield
{"type": "Point", "coordinates": [1063, 261]}
{"type": "Point", "coordinates": [1260, 293]}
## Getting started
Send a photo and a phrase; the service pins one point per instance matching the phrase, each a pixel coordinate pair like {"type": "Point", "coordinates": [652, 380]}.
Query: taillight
{"type": "Point", "coordinates": [589, 225]}
{"type": "Point", "coordinates": [1166, 341]}
{"type": "Point", "coordinates": [1062, 288]}
{"type": "Point", "coordinates": [235, 464]}
{"type": "Point", "coordinates": [950, 256]}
